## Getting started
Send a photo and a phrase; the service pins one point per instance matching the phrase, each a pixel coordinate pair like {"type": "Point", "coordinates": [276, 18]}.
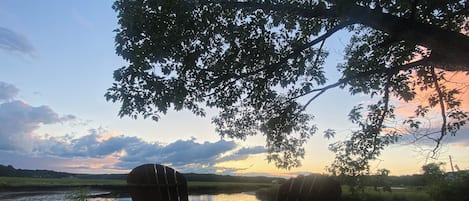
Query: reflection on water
{"type": "Point", "coordinates": [61, 196]}
{"type": "Point", "coordinates": [224, 197]}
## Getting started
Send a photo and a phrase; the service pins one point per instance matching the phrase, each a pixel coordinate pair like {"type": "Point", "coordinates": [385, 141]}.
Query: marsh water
{"type": "Point", "coordinates": [62, 195]}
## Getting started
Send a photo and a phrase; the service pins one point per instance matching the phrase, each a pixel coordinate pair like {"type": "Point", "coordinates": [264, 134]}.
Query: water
{"type": "Point", "coordinates": [224, 197]}
{"type": "Point", "coordinates": [61, 196]}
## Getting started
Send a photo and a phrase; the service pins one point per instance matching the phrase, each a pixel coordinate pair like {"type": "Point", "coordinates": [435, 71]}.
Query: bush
{"type": "Point", "coordinates": [454, 187]}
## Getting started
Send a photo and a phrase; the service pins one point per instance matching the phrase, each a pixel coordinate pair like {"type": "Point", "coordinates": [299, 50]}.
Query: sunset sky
{"type": "Point", "coordinates": [56, 62]}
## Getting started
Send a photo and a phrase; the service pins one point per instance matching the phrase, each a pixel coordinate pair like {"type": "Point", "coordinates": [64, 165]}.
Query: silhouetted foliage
{"type": "Point", "coordinates": [256, 60]}
{"type": "Point", "coordinates": [381, 179]}
{"type": "Point", "coordinates": [432, 172]}
{"type": "Point", "coordinates": [453, 186]}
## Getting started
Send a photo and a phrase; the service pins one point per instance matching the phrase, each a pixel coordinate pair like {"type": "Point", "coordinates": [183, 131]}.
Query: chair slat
{"type": "Point", "coordinates": [157, 182]}
{"type": "Point", "coordinates": [309, 188]}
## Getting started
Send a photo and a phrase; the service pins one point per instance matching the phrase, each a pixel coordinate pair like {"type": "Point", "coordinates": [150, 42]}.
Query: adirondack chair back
{"type": "Point", "coordinates": [309, 188]}
{"type": "Point", "coordinates": [154, 182]}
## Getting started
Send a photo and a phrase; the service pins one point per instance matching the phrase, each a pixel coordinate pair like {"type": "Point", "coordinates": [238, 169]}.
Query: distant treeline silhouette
{"type": "Point", "coordinates": [10, 171]}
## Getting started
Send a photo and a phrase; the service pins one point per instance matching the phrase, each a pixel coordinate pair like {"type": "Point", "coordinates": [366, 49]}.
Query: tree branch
{"type": "Point", "coordinates": [341, 81]}
{"type": "Point", "coordinates": [293, 54]}
{"type": "Point", "coordinates": [300, 49]}
{"type": "Point", "coordinates": [383, 114]}
{"type": "Point", "coordinates": [450, 54]}
{"type": "Point", "coordinates": [286, 8]}
{"type": "Point", "coordinates": [413, 11]}
{"type": "Point", "coordinates": [442, 109]}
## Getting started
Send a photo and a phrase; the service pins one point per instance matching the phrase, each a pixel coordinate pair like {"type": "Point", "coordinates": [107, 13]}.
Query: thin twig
{"type": "Point", "coordinates": [388, 71]}
{"type": "Point", "coordinates": [293, 54]}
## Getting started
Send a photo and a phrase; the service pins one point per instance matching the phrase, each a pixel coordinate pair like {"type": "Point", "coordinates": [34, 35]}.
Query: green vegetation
{"type": "Point", "coordinates": [264, 191]}
{"type": "Point", "coordinates": [446, 187]}
{"type": "Point", "coordinates": [397, 194]}
{"type": "Point", "coordinates": [56, 182]}
{"type": "Point", "coordinates": [369, 194]}
{"type": "Point", "coordinates": [10, 171]}
{"type": "Point", "coordinates": [195, 187]}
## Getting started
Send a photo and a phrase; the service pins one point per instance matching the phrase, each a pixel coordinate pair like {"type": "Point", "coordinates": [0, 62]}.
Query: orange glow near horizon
{"type": "Point", "coordinates": [454, 80]}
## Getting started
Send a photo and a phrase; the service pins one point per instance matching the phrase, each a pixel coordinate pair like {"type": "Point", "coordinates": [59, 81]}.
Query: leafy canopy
{"type": "Point", "coordinates": [255, 61]}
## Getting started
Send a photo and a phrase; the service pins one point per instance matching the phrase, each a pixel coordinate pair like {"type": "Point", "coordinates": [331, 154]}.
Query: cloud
{"type": "Point", "coordinates": [188, 151]}
{"type": "Point", "coordinates": [7, 91]}
{"type": "Point", "coordinates": [129, 152]}
{"type": "Point", "coordinates": [18, 120]}
{"type": "Point", "coordinates": [81, 20]}
{"type": "Point", "coordinates": [427, 136]}
{"type": "Point", "coordinates": [14, 42]}
{"type": "Point", "coordinates": [91, 145]}
{"type": "Point", "coordinates": [243, 153]}
{"type": "Point", "coordinates": [461, 139]}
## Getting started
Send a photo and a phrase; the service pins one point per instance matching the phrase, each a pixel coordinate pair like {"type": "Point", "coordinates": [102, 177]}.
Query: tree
{"type": "Point", "coordinates": [381, 179]}
{"type": "Point", "coordinates": [432, 172]}
{"type": "Point", "coordinates": [451, 186]}
{"type": "Point", "coordinates": [256, 60]}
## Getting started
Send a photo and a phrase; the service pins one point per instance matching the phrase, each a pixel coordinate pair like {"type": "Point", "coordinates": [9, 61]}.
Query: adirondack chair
{"type": "Point", "coordinates": [309, 188]}
{"type": "Point", "coordinates": [155, 182]}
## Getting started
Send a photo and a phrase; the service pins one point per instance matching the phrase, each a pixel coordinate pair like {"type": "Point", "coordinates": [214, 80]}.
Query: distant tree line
{"type": "Point", "coordinates": [10, 171]}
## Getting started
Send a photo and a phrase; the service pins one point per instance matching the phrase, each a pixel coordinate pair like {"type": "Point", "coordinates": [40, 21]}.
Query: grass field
{"type": "Point", "coordinates": [8, 183]}
{"type": "Point", "coordinates": [62, 182]}
{"type": "Point", "coordinates": [401, 194]}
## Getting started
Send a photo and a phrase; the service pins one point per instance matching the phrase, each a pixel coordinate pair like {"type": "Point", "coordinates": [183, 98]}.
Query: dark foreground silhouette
{"type": "Point", "coordinates": [154, 182]}
{"type": "Point", "coordinates": [161, 183]}
{"type": "Point", "coordinates": [309, 188]}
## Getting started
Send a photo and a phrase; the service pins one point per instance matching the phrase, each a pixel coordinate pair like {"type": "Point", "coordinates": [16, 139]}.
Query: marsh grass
{"type": "Point", "coordinates": [404, 194]}
{"type": "Point", "coordinates": [57, 182]}
{"type": "Point", "coordinates": [12, 183]}
{"type": "Point", "coordinates": [81, 194]}
{"type": "Point", "coordinates": [401, 194]}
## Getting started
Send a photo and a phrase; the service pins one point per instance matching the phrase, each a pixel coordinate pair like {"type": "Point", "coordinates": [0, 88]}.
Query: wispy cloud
{"type": "Point", "coordinates": [15, 42]}
{"type": "Point", "coordinates": [81, 20]}
{"type": "Point", "coordinates": [460, 139]}
{"type": "Point", "coordinates": [243, 153]}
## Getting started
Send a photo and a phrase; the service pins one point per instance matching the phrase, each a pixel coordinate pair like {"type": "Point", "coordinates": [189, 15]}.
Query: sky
{"type": "Point", "coordinates": [56, 63]}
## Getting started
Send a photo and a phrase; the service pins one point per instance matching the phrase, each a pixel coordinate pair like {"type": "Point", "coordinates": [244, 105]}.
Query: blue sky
{"type": "Point", "coordinates": [56, 62]}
